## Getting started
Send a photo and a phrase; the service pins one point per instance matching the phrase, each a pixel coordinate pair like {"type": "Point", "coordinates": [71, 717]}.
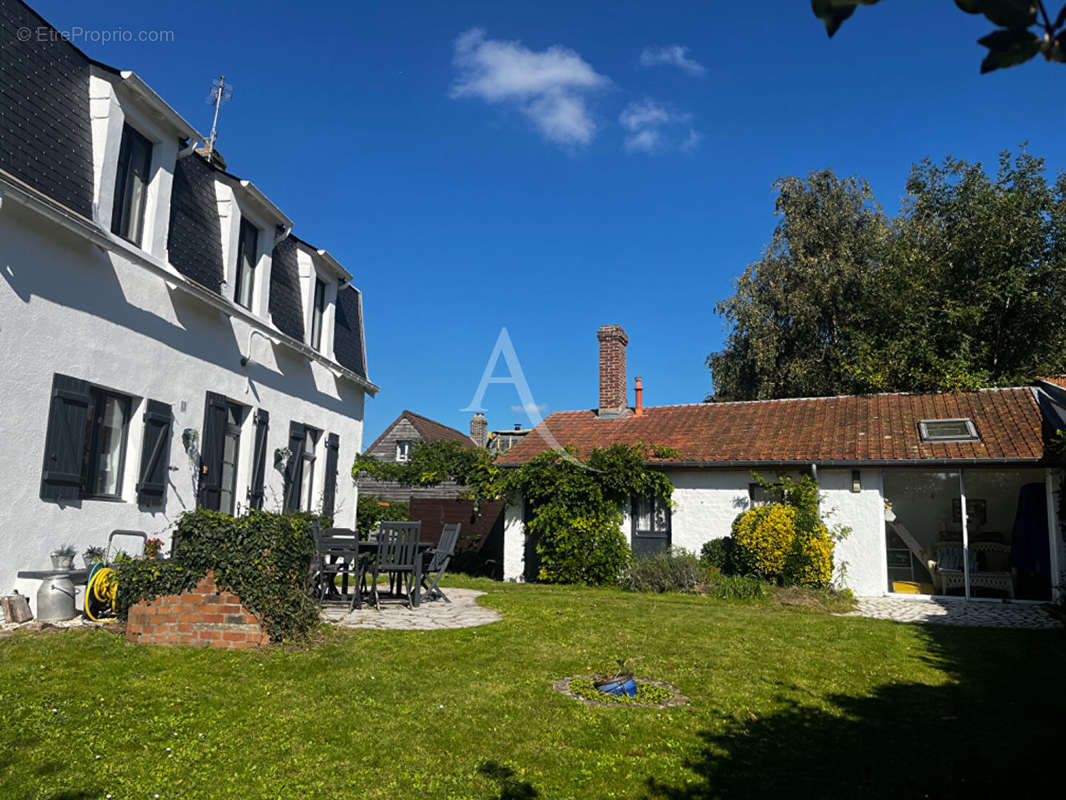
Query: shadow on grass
{"type": "Point", "coordinates": [511, 787]}
{"type": "Point", "coordinates": [994, 728]}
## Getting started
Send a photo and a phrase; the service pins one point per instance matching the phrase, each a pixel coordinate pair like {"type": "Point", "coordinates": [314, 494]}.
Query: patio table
{"type": "Point", "coordinates": [369, 548]}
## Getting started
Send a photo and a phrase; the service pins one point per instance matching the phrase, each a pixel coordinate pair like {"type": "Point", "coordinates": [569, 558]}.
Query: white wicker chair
{"type": "Point", "coordinates": [950, 573]}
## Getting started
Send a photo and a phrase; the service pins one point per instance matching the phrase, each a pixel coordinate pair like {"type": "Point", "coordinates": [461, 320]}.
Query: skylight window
{"type": "Point", "coordinates": [948, 430]}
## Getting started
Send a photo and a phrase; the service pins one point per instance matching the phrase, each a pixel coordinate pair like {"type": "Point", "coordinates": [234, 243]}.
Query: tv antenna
{"type": "Point", "coordinates": [220, 93]}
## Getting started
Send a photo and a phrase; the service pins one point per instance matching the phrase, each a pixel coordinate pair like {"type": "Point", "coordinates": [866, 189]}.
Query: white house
{"type": "Point", "coordinates": [920, 480]}
{"type": "Point", "coordinates": [166, 342]}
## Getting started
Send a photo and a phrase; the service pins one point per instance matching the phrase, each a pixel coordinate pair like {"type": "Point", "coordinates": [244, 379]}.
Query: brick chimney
{"type": "Point", "coordinates": [613, 341]}
{"type": "Point", "coordinates": [479, 429]}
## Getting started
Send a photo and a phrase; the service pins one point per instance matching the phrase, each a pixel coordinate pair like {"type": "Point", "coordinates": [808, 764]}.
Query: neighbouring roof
{"type": "Point", "coordinates": [880, 428]}
{"type": "Point", "coordinates": [1058, 380]}
{"type": "Point", "coordinates": [427, 429]}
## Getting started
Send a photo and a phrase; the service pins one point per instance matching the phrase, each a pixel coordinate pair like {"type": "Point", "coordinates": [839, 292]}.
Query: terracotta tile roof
{"type": "Point", "coordinates": [428, 428]}
{"type": "Point", "coordinates": [824, 430]}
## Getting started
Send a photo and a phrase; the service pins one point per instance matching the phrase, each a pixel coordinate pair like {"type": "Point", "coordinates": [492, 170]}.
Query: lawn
{"type": "Point", "coordinates": [784, 701]}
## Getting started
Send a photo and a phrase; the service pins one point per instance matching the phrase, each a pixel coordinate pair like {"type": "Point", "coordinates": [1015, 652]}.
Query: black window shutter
{"type": "Point", "coordinates": [215, 412]}
{"type": "Point", "coordinates": [155, 455]}
{"type": "Point", "coordinates": [64, 444]}
{"type": "Point", "coordinates": [329, 493]}
{"type": "Point", "coordinates": [259, 456]}
{"type": "Point", "coordinates": [294, 470]}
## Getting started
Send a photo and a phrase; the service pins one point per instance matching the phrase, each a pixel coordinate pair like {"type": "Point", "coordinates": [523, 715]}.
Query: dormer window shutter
{"type": "Point", "coordinates": [259, 457]}
{"type": "Point", "coordinates": [64, 448]}
{"type": "Point", "coordinates": [155, 454]}
{"type": "Point", "coordinates": [329, 491]}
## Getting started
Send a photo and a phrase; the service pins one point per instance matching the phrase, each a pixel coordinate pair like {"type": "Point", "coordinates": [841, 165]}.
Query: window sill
{"type": "Point", "coordinates": [103, 499]}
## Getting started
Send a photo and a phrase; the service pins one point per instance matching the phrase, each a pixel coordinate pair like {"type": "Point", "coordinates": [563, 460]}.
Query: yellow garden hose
{"type": "Point", "coordinates": [101, 591]}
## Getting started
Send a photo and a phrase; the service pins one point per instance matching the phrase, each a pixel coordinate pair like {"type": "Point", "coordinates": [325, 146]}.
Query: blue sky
{"type": "Point", "coordinates": [553, 167]}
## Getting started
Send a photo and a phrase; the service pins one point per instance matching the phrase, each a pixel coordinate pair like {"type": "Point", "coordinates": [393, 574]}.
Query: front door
{"type": "Point", "coordinates": [651, 526]}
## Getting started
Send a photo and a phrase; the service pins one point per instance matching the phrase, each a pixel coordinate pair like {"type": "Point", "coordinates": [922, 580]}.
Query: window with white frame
{"type": "Point", "coordinates": [131, 185]}
{"type": "Point", "coordinates": [318, 313]}
{"type": "Point", "coordinates": [948, 430]}
{"type": "Point", "coordinates": [247, 257]}
{"type": "Point", "coordinates": [403, 450]}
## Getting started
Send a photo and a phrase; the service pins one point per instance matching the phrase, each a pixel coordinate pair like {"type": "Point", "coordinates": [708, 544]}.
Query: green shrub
{"type": "Point", "coordinates": [372, 511]}
{"type": "Point", "coordinates": [764, 538]}
{"type": "Point", "coordinates": [262, 558]}
{"type": "Point", "coordinates": [675, 570]}
{"type": "Point", "coordinates": [718, 553]}
{"type": "Point", "coordinates": [738, 587]}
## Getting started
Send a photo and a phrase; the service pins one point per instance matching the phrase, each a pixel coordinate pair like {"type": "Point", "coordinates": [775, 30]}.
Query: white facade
{"type": "Point", "coordinates": [76, 300]}
{"type": "Point", "coordinates": [706, 501]}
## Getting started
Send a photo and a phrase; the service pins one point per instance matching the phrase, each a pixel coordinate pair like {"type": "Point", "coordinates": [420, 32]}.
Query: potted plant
{"type": "Point", "coordinates": [153, 548]}
{"type": "Point", "coordinates": [63, 557]}
{"type": "Point", "coordinates": [93, 555]}
{"type": "Point", "coordinates": [617, 683]}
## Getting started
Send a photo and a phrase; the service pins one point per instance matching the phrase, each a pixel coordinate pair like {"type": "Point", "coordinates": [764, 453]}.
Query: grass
{"type": "Point", "coordinates": [784, 700]}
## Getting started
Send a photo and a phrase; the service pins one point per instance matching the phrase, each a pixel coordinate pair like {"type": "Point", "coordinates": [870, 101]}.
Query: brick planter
{"type": "Point", "coordinates": [201, 617]}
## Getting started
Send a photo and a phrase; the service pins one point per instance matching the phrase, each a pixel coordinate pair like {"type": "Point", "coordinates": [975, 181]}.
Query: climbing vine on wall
{"type": "Point", "coordinates": [575, 514]}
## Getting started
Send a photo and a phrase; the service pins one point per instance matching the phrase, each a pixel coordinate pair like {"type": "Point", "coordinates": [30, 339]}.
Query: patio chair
{"type": "Point", "coordinates": [397, 549]}
{"type": "Point", "coordinates": [984, 562]}
{"type": "Point", "coordinates": [440, 556]}
{"type": "Point", "coordinates": [336, 554]}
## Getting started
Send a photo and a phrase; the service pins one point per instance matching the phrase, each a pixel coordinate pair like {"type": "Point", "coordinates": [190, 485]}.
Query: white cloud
{"type": "Point", "coordinates": [673, 55]}
{"type": "Point", "coordinates": [651, 127]}
{"type": "Point", "coordinates": [550, 87]}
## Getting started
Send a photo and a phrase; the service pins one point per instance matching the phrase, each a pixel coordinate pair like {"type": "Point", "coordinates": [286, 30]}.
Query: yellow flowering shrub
{"type": "Point", "coordinates": [811, 560]}
{"type": "Point", "coordinates": [770, 544]}
{"type": "Point", "coordinates": [763, 539]}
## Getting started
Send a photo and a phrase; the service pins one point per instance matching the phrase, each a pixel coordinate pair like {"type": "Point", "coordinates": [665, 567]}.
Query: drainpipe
{"type": "Point", "coordinates": [283, 232]}
{"type": "Point", "coordinates": [814, 472]}
{"type": "Point", "coordinates": [965, 533]}
{"type": "Point", "coordinates": [1053, 535]}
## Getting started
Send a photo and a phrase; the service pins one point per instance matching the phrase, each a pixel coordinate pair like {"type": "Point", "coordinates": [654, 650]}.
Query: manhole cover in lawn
{"type": "Point", "coordinates": [650, 694]}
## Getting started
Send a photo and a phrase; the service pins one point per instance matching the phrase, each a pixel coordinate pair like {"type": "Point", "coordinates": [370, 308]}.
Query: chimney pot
{"type": "Point", "coordinates": [613, 341]}
{"type": "Point", "coordinates": [639, 392]}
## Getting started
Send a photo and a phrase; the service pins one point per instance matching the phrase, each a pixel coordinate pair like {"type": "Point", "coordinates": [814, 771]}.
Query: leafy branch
{"type": "Point", "coordinates": [1013, 43]}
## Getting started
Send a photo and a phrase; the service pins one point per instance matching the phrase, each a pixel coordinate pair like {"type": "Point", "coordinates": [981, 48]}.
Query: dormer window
{"type": "Point", "coordinates": [318, 311]}
{"type": "Point", "coordinates": [131, 185]}
{"type": "Point", "coordinates": [948, 430]}
{"type": "Point", "coordinates": [247, 256]}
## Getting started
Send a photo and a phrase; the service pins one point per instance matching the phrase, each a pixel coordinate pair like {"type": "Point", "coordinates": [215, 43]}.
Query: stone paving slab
{"type": "Point", "coordinates": [954, 612]}
{"type": "Point", "coordinates": [462, 612]}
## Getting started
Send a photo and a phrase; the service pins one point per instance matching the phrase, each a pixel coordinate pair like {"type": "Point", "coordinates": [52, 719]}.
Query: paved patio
{"type": "Point", "coordinates": [462, 612]}
{"type": "Point", "coordinates": [955, 612]}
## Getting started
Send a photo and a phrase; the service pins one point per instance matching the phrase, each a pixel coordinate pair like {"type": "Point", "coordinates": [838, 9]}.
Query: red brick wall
{"type": "Point", "coordinates": [202, 617]}
{"type": "Point", "coordinates": [613, 341]}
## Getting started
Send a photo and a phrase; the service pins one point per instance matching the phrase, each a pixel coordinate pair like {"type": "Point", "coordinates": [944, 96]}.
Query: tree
{"type": "Point", "coordinates": [794, 308]}
{"type": "Point", "coordinates": [1013, 43]}
{"type": "Point", "coordinates": [966, 287]}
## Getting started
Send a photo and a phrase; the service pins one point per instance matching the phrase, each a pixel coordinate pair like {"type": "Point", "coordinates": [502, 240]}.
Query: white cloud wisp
{"type": "Point", "coordinates": [550, 87]}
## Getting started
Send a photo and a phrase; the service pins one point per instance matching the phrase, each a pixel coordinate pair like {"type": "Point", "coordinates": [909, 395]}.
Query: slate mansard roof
{"type": "Point", "coordinates": [45, 139]}
{"type": "Point", "coordinates": [46, 144]}
{"type": "Point", "coordinates": [869, 429]}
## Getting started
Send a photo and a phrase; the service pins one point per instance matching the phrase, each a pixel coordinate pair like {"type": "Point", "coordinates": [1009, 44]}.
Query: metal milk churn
{"type": "Point", "coordinates": [55, 599]}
